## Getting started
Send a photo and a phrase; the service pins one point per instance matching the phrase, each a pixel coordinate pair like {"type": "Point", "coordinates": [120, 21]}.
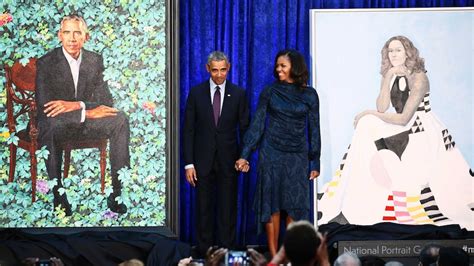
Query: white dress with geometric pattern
{"type": "Point", "coordinates": [411, 174]}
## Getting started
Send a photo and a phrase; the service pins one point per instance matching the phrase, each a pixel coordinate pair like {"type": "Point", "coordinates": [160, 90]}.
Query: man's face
{"type": "Point", "coordinates": [72, 37]}
{"type": "Point", "coordinates": [218, 71]}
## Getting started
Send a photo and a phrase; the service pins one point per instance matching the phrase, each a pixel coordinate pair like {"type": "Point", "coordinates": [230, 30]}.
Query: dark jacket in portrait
{"type": "Point", "coordinates": [54, 82]}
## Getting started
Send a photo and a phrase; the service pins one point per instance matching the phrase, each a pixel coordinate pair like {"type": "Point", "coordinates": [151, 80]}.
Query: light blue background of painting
{"type": "Point", "coordinates": [345, 51]}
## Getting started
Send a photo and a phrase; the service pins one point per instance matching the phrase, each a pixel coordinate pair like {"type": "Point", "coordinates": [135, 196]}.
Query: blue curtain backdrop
{"type": "Point", "coordinates": [251, 32]}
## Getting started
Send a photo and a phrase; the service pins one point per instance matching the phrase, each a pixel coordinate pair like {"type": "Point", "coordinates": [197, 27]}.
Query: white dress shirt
{"type": "Point", "coordinates": [74, 65]}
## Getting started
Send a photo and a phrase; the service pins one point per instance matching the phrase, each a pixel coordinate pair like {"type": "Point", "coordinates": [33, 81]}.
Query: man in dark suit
{"type": "Point", "coordinates": [74, 102]}
{"type": "Point", "coordinates": [215, 120]}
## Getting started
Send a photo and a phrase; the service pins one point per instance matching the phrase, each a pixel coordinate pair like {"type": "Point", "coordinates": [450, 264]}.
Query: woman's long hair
{"type": "Point", "coordinates": [298, 71]}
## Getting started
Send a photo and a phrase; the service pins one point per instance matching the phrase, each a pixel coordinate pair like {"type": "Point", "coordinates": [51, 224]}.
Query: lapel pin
{"type": "Point", "coordinates": [228, 95]}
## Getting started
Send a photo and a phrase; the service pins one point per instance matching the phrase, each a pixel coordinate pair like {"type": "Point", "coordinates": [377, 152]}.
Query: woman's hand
{"type": "Point", "coordinates": [360, 115]}
{"type": "Point", "coordinates": [400, 70]}
{"type": "Point", "coordinates": [313, 175]}
{"type": "Point", "coordinates": [242, 165]}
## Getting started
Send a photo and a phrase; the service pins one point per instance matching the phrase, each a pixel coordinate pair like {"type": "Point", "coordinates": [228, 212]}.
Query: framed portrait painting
{"type": "Point", "coordinates": [387, 157]}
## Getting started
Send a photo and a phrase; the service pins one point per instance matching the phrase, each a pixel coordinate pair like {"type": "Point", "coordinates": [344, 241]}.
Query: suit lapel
{"type": "Point", "coordinates": [64, 71]}
{"type": "Point", "coordinates": [227, 99]}
{"type": "Point", "coordinates": [208, 103]}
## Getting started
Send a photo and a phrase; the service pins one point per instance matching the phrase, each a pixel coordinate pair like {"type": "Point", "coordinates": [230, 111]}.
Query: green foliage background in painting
{"type": "Point", "coordinates": [131, 36]}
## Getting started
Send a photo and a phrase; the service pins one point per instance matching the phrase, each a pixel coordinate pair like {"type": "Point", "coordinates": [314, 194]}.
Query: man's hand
{"type": "Point", "coordinates": [100, 112]}
{"type": "Point", "coordinates": [57, 107]}
{"type": "Point", "coordinates": [191, 176]}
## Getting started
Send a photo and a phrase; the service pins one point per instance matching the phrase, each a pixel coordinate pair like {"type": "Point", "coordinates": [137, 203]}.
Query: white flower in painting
{"type": "Point", "coordinates": [148, 29]}
{"type": "Point", "coordinates": [150, 178]}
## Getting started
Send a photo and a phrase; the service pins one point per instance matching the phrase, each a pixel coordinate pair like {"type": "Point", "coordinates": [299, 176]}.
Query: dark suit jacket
{"type": "Point", "coordinates": [204, 142]}
{"type": "Point", "coordinates": [54, 82]}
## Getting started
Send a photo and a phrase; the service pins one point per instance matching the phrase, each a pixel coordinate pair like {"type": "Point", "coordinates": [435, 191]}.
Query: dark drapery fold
{"type": "Point", "coordinates": [91, 247]}
{"type": "Point", "coordinates": [251, 33]}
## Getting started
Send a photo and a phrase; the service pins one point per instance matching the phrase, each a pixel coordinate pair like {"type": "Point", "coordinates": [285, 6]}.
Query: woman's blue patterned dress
{"type": "Point", "coordinates": [285, 128]}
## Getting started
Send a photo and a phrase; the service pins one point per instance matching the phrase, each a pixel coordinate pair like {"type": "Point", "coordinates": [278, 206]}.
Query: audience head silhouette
{"type": "Point", "coordinates": [429, 255]}
{"type": "Point", "coordinates": [452, 256]}
{"type": "Point", "coordinates": [301, 243]}
{"type": "Point", "coordinates": [347, 259]}
{"type": "Point", "coordinates": [371, 260]}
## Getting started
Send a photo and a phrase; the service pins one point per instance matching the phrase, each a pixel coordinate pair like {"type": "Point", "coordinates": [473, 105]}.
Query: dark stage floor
{"type": "Point", "coordinates": [91, 247]}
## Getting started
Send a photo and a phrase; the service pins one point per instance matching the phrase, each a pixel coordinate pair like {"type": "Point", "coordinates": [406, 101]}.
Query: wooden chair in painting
{"type": "Point", "coordinates": [20, 86]}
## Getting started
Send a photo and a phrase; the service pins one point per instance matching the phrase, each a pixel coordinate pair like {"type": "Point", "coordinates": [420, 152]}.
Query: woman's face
{"type": "Point", "coordinates": [283, 67]}
{"type": "Point", "coordinates": [396, 53]}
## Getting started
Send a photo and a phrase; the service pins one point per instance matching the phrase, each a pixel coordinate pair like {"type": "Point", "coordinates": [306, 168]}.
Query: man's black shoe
{"type": "Point", "coordinates": [61, 200]}
{"type": "Point", "coordinates": [114, 205]}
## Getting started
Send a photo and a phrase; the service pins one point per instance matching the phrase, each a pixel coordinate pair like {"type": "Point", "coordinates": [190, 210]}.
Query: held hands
{"type": "Point", "coordinates": [57, 107]}
{"type": "Point", "coordinates": [100, 112]}
{"type": "Point", "coordinates": [242, 165]}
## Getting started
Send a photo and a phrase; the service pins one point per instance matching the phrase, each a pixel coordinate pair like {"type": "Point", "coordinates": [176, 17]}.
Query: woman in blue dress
{"type": "Point", "coordinates": [285, 128]}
